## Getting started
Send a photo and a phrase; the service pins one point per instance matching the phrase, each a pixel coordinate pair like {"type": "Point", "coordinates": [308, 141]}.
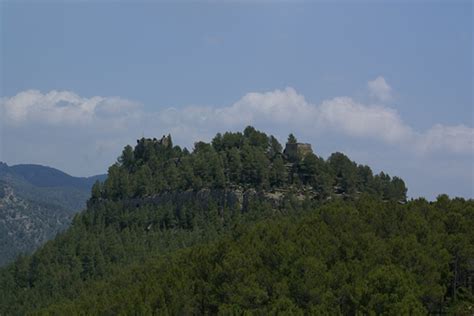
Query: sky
{"type": "Point", "coordinates": [387, 83]}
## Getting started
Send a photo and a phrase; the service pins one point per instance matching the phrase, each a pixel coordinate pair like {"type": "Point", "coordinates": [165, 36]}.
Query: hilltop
{"type": "Point", "coordinates": [247, 160]}
{"type": "Point", "coordinates": [241, 225]}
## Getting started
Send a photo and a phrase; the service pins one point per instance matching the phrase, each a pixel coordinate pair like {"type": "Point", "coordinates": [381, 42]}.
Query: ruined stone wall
{"type": "Point", "coordinates": [304, 149]}
{"type": "Point", "coordinates": [298, 149]}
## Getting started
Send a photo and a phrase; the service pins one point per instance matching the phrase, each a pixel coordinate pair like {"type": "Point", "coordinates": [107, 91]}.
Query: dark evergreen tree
{"type": "Point", "coordinates": [292, 139]}
{"type": "Point", "coordinates": [127, 159]}
{"type": "Point", "coordinates": [278, 173]}
{"type": "Point", "coordinates": [275, 148]}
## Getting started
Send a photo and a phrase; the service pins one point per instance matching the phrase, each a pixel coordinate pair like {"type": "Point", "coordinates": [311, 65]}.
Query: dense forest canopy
{"type": "Point", "coordinates": [36, 202]}
{"type": "Point", "coordinates": [159, 238]}
{"type": "Point", "coordinates": [248, 159]}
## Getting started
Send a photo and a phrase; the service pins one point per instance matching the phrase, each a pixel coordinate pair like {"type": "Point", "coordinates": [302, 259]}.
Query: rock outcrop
{"type": "Point", "coordinates": [236, 198]}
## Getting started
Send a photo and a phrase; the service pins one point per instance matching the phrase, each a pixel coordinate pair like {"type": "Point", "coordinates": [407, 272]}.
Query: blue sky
{"type": "Point", "coordinates": [389, 83]}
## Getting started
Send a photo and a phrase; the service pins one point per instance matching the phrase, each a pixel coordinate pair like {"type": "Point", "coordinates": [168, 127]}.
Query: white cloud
{"type": "Point", "coordinates": [379, 89]}
{"type": "Point", "coordinates": [75, 133]}
{"type": "Point", "coordinates": [456, 139]}
{"type": "Point", "coordinates": [274, 109]}
{"type": "Point", "coordinates": [355, 119]}
{"type": "Point", "coordinates": [286, 109]}
{"type": "Point", "coordinates": [62, 107]}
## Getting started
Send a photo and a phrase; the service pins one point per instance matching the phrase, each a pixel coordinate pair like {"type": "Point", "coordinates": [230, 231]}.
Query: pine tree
{"type": "Point", "coordinates": [292, 139]}
{"type": "Point", "coordinates": [278, 172]}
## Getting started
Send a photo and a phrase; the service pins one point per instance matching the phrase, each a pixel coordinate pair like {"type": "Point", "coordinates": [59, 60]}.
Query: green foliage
{"type": "Point", "coordinates": [292, 139]}
{"type": "Point", "coordinates": [37, 202]}
{"type": "Point", "coordinates": [345, 171]}
{"type": "Point", "coordinates": [163, 235]}
{"type": "Point", "coordinates": [354, 257]}
{"type": "Point", "coordinates": [278, 173]}
{"type": "Point", "coordinates": [248, 159]}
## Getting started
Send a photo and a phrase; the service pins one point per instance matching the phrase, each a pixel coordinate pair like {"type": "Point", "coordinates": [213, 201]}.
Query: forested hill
{"type": "Point", "coordinates": [248, 160]}
{"type": "Point", "coordinates": [43, 176]}
{"type": "Point", "coordinates": [36, 202]}
{"type": "Point", "coordinates": [167, 234]}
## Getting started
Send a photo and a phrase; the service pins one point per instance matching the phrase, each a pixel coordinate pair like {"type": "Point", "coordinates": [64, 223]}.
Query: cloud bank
{"type": "Point", "coordinates": [63, 108]}
{"type": "Point", "coordinates": [341, 115]}
{"type": "Point", "coordinates": [89, 133]}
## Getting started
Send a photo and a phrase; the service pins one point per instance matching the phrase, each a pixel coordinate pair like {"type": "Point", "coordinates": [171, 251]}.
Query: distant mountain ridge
{"type": "Point", "coordinates": [43, 176]}
{"type": "Point", "coordinates": [36, 202]}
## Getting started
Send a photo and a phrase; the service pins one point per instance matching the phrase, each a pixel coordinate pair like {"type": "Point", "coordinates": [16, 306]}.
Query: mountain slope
{"type": "Point", "coordinates": [342, 258]}
{"type": "Point", "coordinates": [42, 176]}
{"type": "Point", "coordinates": [241, 225]}
{"type": "Point", "coordinates": [36, 203]}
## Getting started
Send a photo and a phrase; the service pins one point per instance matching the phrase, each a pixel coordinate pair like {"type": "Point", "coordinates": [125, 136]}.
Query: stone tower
{"type": "Point", "coordinates": [294, 150]}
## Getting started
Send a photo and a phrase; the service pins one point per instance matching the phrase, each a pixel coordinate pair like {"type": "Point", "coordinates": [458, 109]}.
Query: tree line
{"type": "Point", "coordinates": [342, 257]}
{"type": "Point", "coordinates": [248, 159]}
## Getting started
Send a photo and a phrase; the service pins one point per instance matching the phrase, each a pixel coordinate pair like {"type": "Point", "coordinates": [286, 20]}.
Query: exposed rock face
{"type": "Point", "coordinates": [36, 202]}
{"type": "Point", "coordinates": [236, 198]}
{"type": "Point", "coordinates": [25, 225]}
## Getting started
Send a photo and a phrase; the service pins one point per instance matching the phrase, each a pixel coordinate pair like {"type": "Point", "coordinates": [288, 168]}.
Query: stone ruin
{"type": "Point", "coordinates": [165, 141]}
{"type": "Point", "coordinates": [297, 149]}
